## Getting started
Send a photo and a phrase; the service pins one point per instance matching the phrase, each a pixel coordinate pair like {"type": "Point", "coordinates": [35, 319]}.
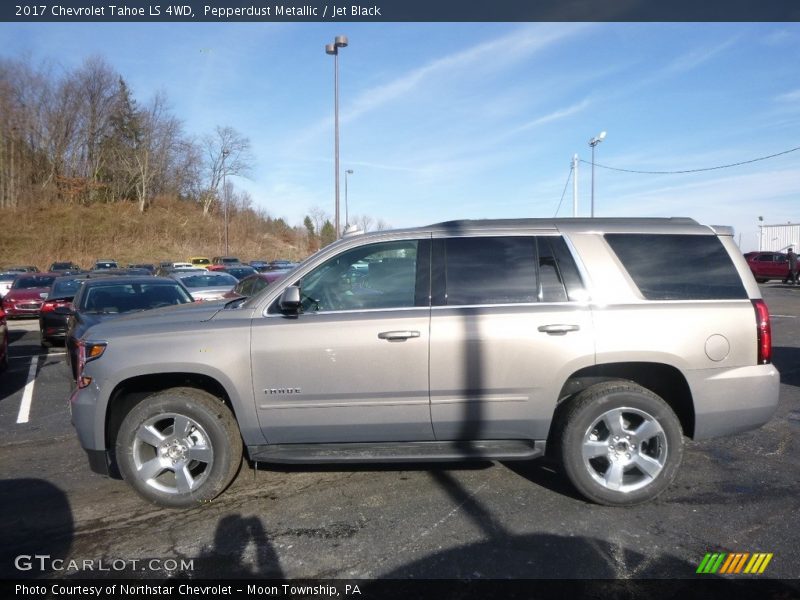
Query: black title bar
{"type": "Point", "coordinates": [402, 11]}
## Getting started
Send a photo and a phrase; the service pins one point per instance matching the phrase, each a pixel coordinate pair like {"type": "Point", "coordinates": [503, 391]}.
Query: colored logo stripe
{"type": "Point", "coordinates": [729, 564]}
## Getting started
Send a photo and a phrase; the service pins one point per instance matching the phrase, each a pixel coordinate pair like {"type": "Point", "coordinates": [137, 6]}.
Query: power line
{"type": "Point", "coordinates": [737, 164]}
{"type": "Point", "coordinates": [569, 176]}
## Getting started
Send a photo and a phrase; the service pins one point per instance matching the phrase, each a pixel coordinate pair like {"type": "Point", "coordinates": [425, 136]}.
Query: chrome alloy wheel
{"type": "Point", "coordinates": [172, 453]}
{"type": "Point", "coordinates": [625, 449]}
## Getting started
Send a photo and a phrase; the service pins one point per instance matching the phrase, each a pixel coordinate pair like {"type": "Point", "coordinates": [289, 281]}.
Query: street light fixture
{"type": "Point", "coordinates": [225, 153]}
{"type": "Point", "coordinates": [593, 142]}
{"type": "Point", "coordinates": [346, 213]}
{"type": "Point", "coordinates": [340, 41]}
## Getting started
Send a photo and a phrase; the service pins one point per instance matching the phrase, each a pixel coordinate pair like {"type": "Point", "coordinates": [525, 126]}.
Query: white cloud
{"type": "Point", "coordinates": [793, 96]}
{"type": "Point", "coordinates": [489, 56]}
{"type": "Point", "coordinates": [695, 58]}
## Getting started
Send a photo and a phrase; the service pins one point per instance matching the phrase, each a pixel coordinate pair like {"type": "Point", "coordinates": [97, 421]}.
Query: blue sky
{"type": "Point", "coordinates": [477, 120]}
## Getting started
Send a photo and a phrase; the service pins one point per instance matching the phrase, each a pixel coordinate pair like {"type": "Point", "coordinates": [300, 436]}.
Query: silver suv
{"type": "Point", "coordinates": [467, 339]}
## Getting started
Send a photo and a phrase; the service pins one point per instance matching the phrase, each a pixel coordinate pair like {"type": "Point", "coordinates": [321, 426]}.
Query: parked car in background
{"type": "Point", "coordinates": [27, 294]}
{"type": "Point", "coordinates": [64, 267]}
{"type": "Point", "coordinates": [251, 285]}
{"type": "Point", "coordinates": [238, 271]}
{"type": "Point", "coordinates": [281, 265]}
{"type": "Point", "coordinates": [132, 271]}
{"type": "Point", "coordinates": [6, 279]}
{"type": "Point", "coordinates": [169, 270]}
{"type": "Point", "coordinates": [200, 261]}
{"type": "Point", "coordinates": [220, 262]}
{"type": "Point", "coordinates": [259, 265]}
{"type": "Point", "coordinates": [105, 298]}
{"type": "Point", "coordinates": [150, 267]}
{"type": "Point", "coordinates": [768, 265]}
{"type": "Point", "coordinates": [205, 285]}
{"type": "Point", "coordinates": [105, 263]}
{"type": "Point", "coordinates": [23, 269]}
{"type": "Point", "coordinates": [55, 309]}
{"type": "Point", "coordinates": [3, 341]}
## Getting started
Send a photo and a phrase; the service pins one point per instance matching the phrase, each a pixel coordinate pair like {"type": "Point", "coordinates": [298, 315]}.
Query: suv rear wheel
{"type": "Point", "coordinates": [179, 448]}
{"type": "Point", "coordinates": [620, 444]}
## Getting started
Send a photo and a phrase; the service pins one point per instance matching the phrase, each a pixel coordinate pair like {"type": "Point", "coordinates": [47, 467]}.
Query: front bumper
{"type": "Point", "coordinates": [22, 309]}
{"type": "Point", "coordinates": [83, 411]}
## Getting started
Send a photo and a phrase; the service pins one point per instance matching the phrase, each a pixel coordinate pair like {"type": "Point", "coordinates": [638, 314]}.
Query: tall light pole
{"type": "Point", "coordinates": [593, 142]}
{"type": "Point", "coordinates": [575, 186]}
{"type": "Point", "coordinates": [346, 212]}
{"type": "Point", "coordinates": [225, 153]}
{"type": "Point", "coordinates": [339, 42]}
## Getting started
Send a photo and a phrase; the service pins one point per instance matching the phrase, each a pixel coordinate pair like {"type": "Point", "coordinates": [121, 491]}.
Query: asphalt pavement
{"type": "Point", "coordinates": [483, 520]}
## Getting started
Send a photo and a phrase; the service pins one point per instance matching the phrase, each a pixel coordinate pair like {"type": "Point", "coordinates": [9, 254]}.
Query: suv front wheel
{"type": "Point", "coordinates": [179, 448]}
{"type": "Point", "coordinates": [620, 444]}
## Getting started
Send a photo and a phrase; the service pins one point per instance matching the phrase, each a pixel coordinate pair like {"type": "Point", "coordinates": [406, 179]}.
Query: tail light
{"type": "Point", "coordinates": [764, 332]}
{"type": "Point", "coordinates": [51, 305]}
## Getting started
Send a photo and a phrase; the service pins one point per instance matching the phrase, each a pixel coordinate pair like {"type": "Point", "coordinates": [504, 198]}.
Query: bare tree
{"type": "Point", "coordinates": [318, 218]}
{"type": "Point", "coordinates": [98, 85]}
{"type": "Point", "coordinates": [227, 153]}
{"type": "Point", "coordinates": [367, 223]}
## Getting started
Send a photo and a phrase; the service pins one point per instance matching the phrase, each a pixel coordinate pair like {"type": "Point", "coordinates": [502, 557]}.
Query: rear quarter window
{"type": "Point", "coordinates": [678, 267]}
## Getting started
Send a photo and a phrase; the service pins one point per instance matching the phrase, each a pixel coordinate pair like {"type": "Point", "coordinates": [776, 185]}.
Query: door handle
{"type": "Point", "coordinates": [398, 335]}
{"type": "Point", "coordinates": [558, 329]}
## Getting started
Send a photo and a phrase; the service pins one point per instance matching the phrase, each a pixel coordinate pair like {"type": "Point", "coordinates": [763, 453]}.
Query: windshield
{"type": "Point", "coordinates": [126, 297]}
{"type": "Point", "coordinates": [28, 283]}
{"type": "Point", "coordinates": [209, 280]}
{"type": "Point", "coordinates": [65, 287]}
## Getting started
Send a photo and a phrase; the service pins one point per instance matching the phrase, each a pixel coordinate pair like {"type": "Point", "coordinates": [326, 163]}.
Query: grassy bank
{"type": "Point", "coordinates": [168, 230]}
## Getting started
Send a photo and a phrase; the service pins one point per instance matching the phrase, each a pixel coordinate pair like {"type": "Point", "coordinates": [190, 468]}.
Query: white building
{"type": "Point", "coordinates": [777, 238]}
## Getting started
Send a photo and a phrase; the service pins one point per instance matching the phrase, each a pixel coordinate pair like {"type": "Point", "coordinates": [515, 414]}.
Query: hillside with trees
{"type": "Point", "coordinates": [86, 170]}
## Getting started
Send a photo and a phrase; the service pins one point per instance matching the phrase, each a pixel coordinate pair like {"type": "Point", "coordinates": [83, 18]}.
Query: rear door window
{"type": "Point", "coordinates": [678, 267]}
{"type": "Point", "coordinates": [503, 270]}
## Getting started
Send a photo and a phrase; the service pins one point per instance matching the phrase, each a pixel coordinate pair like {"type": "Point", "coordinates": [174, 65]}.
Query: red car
{"type": "Point", "coordinates": [3, 341]}
{"type": "Point", "coordinates": [27, 294]}
{"type": "Point", "coordinates": [768, 265]}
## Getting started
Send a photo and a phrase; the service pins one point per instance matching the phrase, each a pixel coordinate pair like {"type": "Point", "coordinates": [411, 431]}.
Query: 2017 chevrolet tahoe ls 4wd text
{"type": "Point", "coordinates": [467, 339]}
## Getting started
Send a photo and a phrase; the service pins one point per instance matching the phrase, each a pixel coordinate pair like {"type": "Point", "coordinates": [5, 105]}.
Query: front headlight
{"type": "Point", "coordinates": [87, 352]}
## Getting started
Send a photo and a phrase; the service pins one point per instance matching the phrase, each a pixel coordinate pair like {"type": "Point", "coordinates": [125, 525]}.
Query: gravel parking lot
{"type": "Point", "coordinates": [477, 520]}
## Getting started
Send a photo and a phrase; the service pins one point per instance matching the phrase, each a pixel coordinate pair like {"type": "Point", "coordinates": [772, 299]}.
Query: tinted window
{"type": "Point", "coordinates": [382, 275]}
{"type": "Point", "coordinates": [244, 286]}
{"type": "Point", "coordinates": [124, 297]}
{"type": "Point", "coordinates": [27, 283]}
{"type": "Point", "coordinates": [504, 270]}
{"type": "Point", "coordinates": [66, 287]}
{"type": "Point", "coordinates": [678, 267]}
{"type": "Point", "coordinates": [491, 270]}
{"type": "Point", "coordinates": [206, 279]}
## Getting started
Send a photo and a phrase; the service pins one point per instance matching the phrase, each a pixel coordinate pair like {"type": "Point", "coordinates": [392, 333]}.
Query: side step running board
{"type": "Point", "coordinates": [393, 452]}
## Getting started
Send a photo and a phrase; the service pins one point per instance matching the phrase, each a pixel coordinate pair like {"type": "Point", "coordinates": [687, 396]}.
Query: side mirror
{"type": "Point", "coordinates": [290, 300]}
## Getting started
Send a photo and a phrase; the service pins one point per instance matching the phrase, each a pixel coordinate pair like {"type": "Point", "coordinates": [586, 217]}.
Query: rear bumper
{"type": "Point", "coordinates": [728, 401]}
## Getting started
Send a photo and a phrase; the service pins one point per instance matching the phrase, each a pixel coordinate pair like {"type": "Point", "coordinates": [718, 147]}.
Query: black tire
{"type": "Point", "coordinates": [179, 469]}
{"type": "Point", "coordinates": [620, 444]}
{"type": "Point", "coordinates": [44, 340]}
{"type": "Point", "coordinates": [4, 361]}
